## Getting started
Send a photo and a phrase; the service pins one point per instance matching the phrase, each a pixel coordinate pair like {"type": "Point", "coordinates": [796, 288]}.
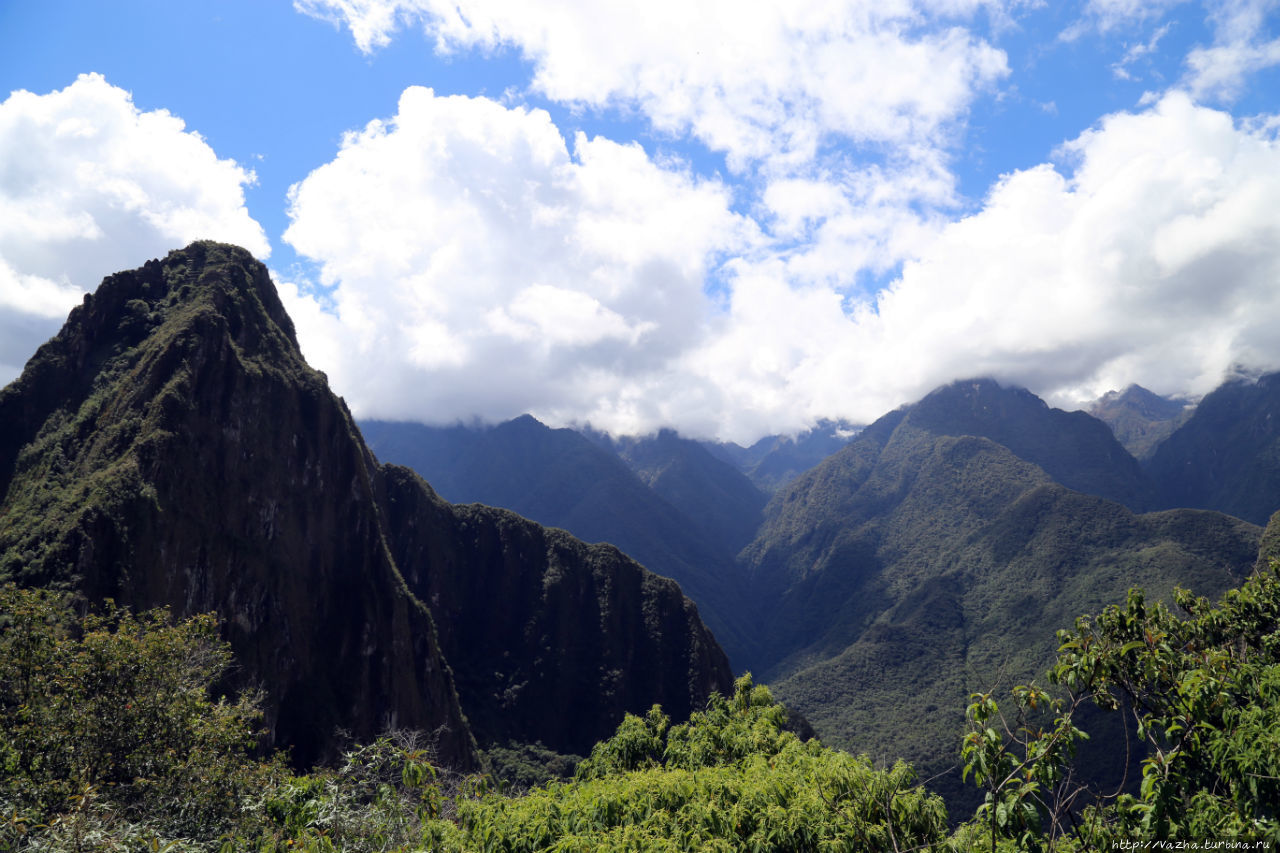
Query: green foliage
{"type": "Point", "coordinates": [108, 721]}
{"type": "Point", "coordinates": [732, 778]}
{"type": "Point", "coordinates": [112, 741]}
{"type": "Point", "coordinates": [526, 765]}
{"type": "Point", "coordinates": [1203, 695]}
{"type": "Point", "coordinates": [1023, 766]}
{"type": "Point", "coordinates": [385, 796]}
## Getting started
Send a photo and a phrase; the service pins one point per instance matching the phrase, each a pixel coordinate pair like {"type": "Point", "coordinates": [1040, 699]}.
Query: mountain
{"type": "Point", "coordinates": [923, 562]}
{"type": "Point", "coordinates": [551, 640]}
{"type": "Point", "coordinates": [723, 504]}
{"type": "Point", "coordinates": [776, 460]}
{"type": "Point", "coordinates": [1073, 448]}
{"type": "Point", "coordinates": [1226, 456]}
{"type": "Point", "coordinates": [170, 447]}
{"type": "Point", "coordinates": [1140, 419]}
{"type": "Point", "coordinates": [561, 478]}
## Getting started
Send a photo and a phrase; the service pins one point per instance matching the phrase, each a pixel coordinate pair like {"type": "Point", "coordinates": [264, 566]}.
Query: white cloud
{"type": "Point", "coordinates": [90, 185]}
{"type": "Point", "coordinates": [1134, 53]}
{"type": "Point", "coordinates": [482, 268]}
{"type": "Point", "coordinates": [1154, 261]}
{"type": "Point", "coordinates": [760, 81]}
{"type": "Point", "coordinates": [1241, 47]}
{"type": "Point", "coordinates": [1242, 42]}
{"type": "Point", "coordinates": [1108, 15]}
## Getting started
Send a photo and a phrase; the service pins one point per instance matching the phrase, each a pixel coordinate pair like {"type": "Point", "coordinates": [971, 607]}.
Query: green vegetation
{"type": "Point", "coordinates": [1203, 696]}
{"type": "Point", "coordinates": [110, 732]}
{"type": "Point", "coordinates": [112, 740]}
{"type": "Point", "coordinates": [912, 569]}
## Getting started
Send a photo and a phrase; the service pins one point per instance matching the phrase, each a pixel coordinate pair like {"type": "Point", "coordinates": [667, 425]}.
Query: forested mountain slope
{"type": "Point", "coordinates": [1227, 455]}
{"type": "Point", "coordinates": [919, 564]}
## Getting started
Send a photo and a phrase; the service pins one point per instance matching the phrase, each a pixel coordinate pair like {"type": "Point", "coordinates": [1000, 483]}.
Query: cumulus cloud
{"type": "Point", "coordinates": [90, 185]}
{"type": "Point", "coordinates": [1153, 260]}
{"type": "Point", "coordinates": [482, 267]}
{"type": "Point", "coordinates": [763, 82]}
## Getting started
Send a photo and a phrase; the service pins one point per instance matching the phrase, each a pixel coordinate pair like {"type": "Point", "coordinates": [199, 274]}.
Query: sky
{"type": "Point", "coordinates": [733, 219]}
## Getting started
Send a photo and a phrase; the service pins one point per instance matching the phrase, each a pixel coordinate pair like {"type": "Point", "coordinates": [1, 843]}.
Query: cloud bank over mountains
{"type": "Point", "coordinates": [469, 257]}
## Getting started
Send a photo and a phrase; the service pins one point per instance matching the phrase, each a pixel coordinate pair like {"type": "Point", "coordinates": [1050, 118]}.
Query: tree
{"type": "Point", "coordinates": [110, 718]}
{"type": "Point", "coordinates": [1203, 696]}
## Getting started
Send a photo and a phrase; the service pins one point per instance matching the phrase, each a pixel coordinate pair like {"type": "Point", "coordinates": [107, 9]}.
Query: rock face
{"type": "Point", "coordinates": [561, 478]}
{"type": "Point", "coordinates": [171, 447]}
{"type": "Point", "coordinates": [551, 639]}
{"type": "Point", "coordinates": [1226, 457]}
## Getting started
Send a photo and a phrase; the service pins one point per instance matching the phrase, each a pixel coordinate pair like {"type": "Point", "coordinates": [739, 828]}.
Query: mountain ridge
{"type": "Point", "coordinates": [921, 563]}
{"type": "Point", "coordinates": [564, 479]}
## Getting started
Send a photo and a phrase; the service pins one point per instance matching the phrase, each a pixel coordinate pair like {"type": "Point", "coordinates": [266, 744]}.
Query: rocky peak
{"type": "Point", "coordinates": [171, 447]}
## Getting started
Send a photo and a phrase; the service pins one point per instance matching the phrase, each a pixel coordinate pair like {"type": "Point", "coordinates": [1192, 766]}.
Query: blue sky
{"type": "Point", "coordinates": [731, 218]}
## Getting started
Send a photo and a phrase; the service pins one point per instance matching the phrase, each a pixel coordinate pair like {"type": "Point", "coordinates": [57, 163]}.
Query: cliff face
{"type": "Point", "coordinates": [561, 478]}
{"type": "Point", "coordinates": [551, 639]}
{"type": "Point", "coordinates": [171, 447]}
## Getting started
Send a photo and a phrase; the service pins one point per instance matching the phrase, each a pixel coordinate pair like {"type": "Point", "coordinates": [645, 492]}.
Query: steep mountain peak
{"type": "Point", "coordinates": [206, 275]}
{"type": "Point", "coordinates": [1140, 419]}
{"type": "Point", "coordinates": [170, 447]}
{"type": "Point", "coordinates": [164, 318]}
{"type": "Point", "coordinates": [525, 421]}
{"type": "Point", "coordinates": [1074, 448]}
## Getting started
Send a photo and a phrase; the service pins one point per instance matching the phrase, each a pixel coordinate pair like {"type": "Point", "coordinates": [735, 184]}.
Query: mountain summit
{"type": "Point", "coordinates": [171, 447]}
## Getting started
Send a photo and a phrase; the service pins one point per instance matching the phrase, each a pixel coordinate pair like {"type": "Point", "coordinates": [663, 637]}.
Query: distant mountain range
{"type": "Point", "coordinates": [931, 555]}
{"type": "Point", "coordinates": [775, 460]}
{"type": "Point", "coordinates": [170, 447]}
